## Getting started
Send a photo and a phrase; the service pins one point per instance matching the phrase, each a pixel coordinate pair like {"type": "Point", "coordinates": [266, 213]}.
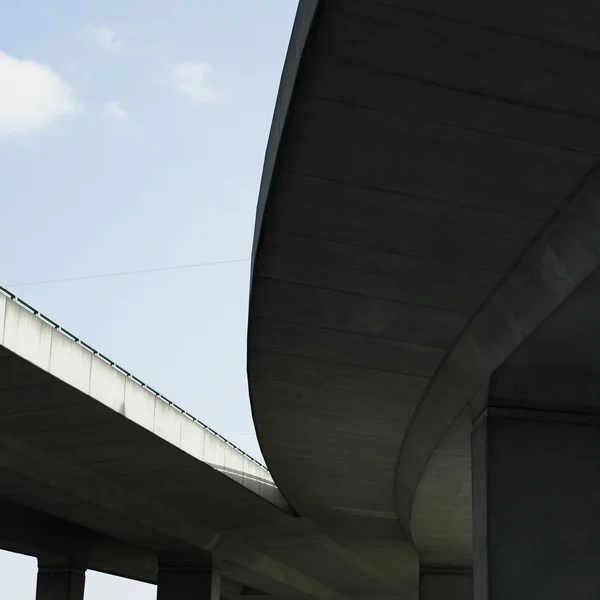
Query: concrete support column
{"type": "Point", "coordinates": [445, 585]}
{"type": "Point", "coordinates": [188, 577]}
{"type": "Point", "coordinates": [536, 505]}
{"type": "Point", "coordinates": [60, 583]}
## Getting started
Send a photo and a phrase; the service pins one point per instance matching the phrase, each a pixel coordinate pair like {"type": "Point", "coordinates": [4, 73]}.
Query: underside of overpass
{"type": "Point", "coordinates": [99, 471]}
{"type": "Point", "coordinates": [428, 218]}
{"type": "Point", "coordinates": [422, 340]}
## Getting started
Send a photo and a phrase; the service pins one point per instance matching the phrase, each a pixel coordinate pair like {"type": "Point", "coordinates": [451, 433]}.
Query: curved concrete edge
{"type": "Point", "coordinates": [302, 24]}
{"type": "Point", "coordinates": [36, 341]}
{"type": "Point", "coordinates": [441, 519]}
{"type": "Point", "coordinates": [559, 259]}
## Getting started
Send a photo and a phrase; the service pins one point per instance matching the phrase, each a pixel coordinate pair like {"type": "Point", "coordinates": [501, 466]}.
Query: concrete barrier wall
{"type": "Point", "coordinates": [38, 340]}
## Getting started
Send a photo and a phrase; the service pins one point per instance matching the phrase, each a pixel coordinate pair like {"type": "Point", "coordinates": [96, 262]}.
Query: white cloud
{"type": "Point", "coordinates": [115, 111]}
{"type": "Point", "coordinates": [32, 95]}
{"type": "Point", "coordinates": [106, 39]}
{"type": "Point", "coordinates": [190, 78]}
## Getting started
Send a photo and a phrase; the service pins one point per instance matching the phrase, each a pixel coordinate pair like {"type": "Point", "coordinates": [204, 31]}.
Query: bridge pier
{"type": "Point", "coordinates": [445, 585]}
{"type": "Point", "coordinates": [188, 577]}
{"type": "Point", "coordinates": [536, 505]}
{"type": "Point", "coordinates": [63, 582]}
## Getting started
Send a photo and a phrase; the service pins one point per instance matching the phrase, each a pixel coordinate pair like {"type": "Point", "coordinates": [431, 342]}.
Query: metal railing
{"type": "Point", "coordinates": [127, 374]}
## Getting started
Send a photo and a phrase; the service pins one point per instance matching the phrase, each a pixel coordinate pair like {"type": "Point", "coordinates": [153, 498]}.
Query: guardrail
{"type": "Point", "coordinates": [123, 371]}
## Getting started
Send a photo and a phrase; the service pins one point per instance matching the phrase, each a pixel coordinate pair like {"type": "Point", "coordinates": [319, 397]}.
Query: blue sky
{"type": "Point", "coordinates": [132, 135]}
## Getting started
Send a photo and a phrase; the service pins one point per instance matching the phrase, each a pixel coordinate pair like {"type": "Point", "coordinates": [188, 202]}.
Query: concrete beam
{"type": "Point", "coordinates": [53, 541]}
{"type": "Point", "coordinates": [52, 351]}
{"type": "Point", "coordinates": [562, 257]}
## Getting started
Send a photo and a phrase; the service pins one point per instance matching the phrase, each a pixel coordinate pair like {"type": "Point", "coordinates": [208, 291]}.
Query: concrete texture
{"type": "Point", "coordinates": [40, 344]}
{"type": "Point", "coordinates": [429, 201]}
{"type": "Point", "coordinates": [188, 578]}
{"type": "Point", "coordinates": [60, 583]}
{"type": "Point", "coordinates": [426, 252]}
{"type": "Point", "coordinates": [556, 368]}
{"type": "Point", "coordinates": [96, 468]}
{"type": "Point", "coordinates": [446, 585]}
{"type": "Point", "coordinates": [441, 523]}
{"type": "Point", "coordinates": [536, 520]}
{"type": "Point", "coordinates": [536, 434]}
{"type": "Point", "coordinates": [302, 24]}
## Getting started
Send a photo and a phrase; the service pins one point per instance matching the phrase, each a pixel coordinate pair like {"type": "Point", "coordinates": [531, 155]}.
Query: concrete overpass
{"type": "Point", "coordinates": [422, 325]}
{"type": "Point", "coordinates": [99, 471]}
{"type": "Point", "coordinates": [423, 348]}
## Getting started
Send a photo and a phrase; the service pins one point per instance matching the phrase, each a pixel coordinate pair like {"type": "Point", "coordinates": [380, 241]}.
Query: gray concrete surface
{"type": "Point", "coordinates": [536, 520]}
{"type": "Point", "coordinates": [446, 585]}
{"type": "Point", "coordinates": [426, 255]}
{"type": "Point", "coordinates": [441, 520]}
{"type": "Point", "coordinates": [536, 439]}
{"type": "Point", "coordinates": [63, 582]}
{"type": "Point", "coordinates": [42, 345]}
{"type": "Point", "coordinates": [188, 578]}
{"type": "Point", "coordinates": [98, 469]}
{"type": "Point", "coordinates": [430, 201]}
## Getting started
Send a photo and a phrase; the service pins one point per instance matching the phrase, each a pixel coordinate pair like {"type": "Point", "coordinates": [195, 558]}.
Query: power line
{"type": "Point", "coordinates": [123, 273]}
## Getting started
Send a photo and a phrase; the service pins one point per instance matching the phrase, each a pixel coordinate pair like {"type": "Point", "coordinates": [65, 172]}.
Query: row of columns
{"type": "Point", "coordinates": [536, 519]}
{"type": "Point", "coordinates": [199, 580]}
{"type": "Point", "coordinates": [194, 580]}
{"type": "Point", "coordinates": [180, 577]}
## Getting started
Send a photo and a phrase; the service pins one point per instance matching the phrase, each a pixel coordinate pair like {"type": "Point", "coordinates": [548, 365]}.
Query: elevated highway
{"type": "Point", "coordinates": [99, 471]}
{"type": "Point", "coordinates": [429, 205]}
{"type": "Point", "coordinates": [422, 348]}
